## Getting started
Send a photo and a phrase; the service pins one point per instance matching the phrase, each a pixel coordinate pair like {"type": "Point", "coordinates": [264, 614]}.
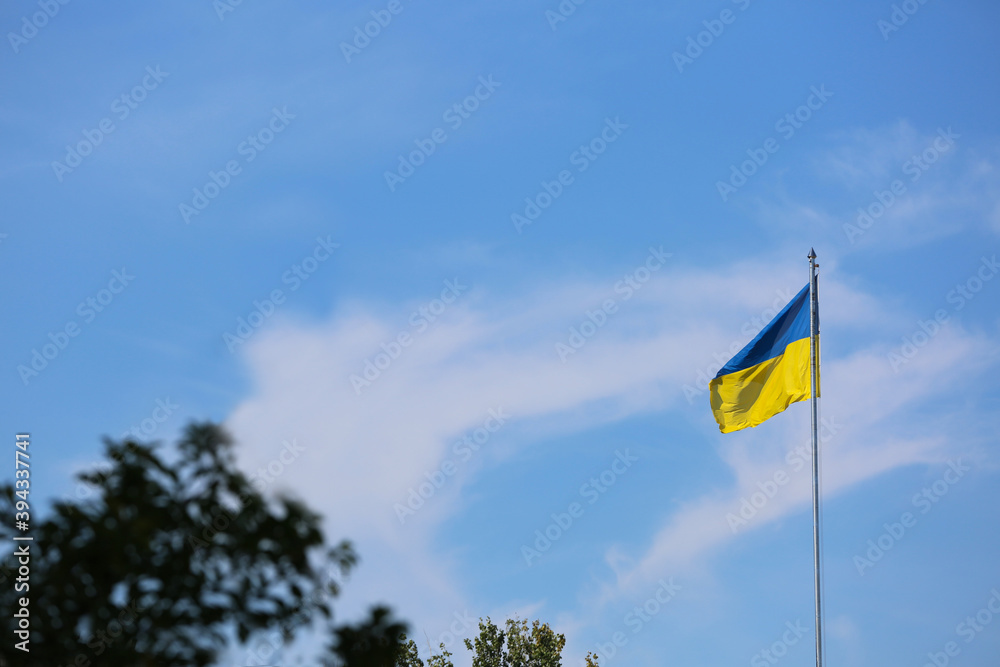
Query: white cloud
{"type": "Point", "coordinates": [845, 631]}
{"type": "Point", "coordinates": [364, 453]}
{"type": "Point", "coordinates": [867, 157]}
{"type": "Point", "coordinates": [872, 429]}
{"type": "Point", "coordinates": [949, 177]}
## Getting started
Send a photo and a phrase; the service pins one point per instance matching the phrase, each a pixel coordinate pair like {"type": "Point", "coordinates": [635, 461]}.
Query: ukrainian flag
{"type": "Point", "coordinates": [767, 375]}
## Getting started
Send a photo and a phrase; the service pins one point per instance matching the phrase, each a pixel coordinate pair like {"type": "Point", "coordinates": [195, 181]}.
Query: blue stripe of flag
{"type": "Point", "coordinates": [790, 325]}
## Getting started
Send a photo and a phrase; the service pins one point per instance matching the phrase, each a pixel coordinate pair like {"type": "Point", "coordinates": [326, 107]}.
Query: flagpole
{"type": "Point", "coordinates": [814, 372]}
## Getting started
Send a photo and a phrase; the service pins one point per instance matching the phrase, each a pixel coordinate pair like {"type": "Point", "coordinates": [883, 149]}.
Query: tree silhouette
{"type": "Point", "coordinates": [518, 645]}
{"type": "Point", "coordinates": [170, 560]}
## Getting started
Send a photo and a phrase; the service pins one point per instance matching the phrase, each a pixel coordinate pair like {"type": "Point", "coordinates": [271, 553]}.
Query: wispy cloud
{"type": "Point", "coordinates": [864, 407]}
{"type": "Point", "coordinates": [894, 186]}
{"type": "Point", "coordinates": [366, 452]}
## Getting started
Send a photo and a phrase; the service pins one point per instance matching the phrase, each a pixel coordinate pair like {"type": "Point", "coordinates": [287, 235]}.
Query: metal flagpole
{"type": "Point", "coordinates": [814, 372]}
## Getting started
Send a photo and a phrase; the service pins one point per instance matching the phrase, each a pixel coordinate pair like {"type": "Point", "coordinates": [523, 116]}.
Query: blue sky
{"type": "Point", "coordinates": [281, 139]}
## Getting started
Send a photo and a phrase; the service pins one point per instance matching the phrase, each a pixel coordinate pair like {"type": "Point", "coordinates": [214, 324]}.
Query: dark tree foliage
{"type": "Point", "coordinates": [169, 561]}
{"type": "Point", "coordinates": [410, 656]}
{"type": "Point", "coordinates": [488, 645]}
{"type": "Point", "coordinates": [374, 643]}
{"type": "Point", "coordinates": [517, 645]}
{"type": "Point", "coordinates": [538, 647]}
